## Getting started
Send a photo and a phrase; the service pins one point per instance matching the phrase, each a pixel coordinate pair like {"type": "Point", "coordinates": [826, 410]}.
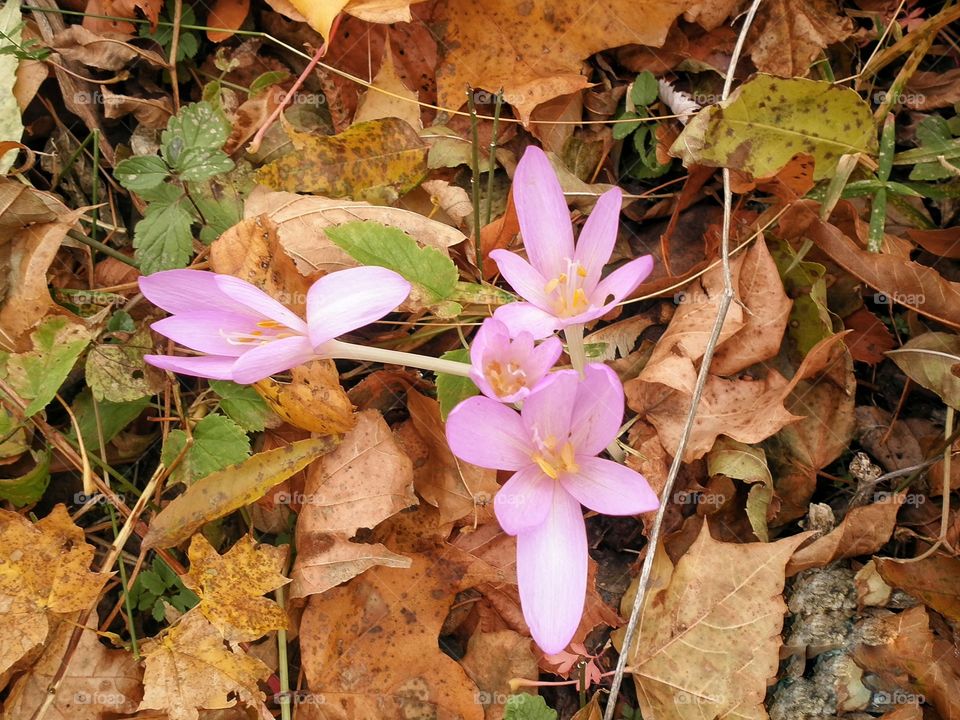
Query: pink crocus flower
{"type": "Point", "coordinates": [561, 283]}
{"type": "Point", "coordinates": [245, 335]}
{"type": "Point", "coordinates": [552, 447]}
{"type": "Point", "coordinates": [508, 368]}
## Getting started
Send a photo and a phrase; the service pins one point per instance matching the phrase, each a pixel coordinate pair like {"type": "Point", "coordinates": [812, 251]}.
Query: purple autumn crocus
{"type": "Point", "coordinates": [552, 447]}
{"type": "Point", "coordinates": [508, 368]}
{"type": "Point", "coordinates": [245, 335]}
{"type": "Point", "coordinates": [561, 283]}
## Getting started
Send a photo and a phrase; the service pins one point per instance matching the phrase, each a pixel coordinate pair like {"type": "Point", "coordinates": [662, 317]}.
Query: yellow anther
{"type": "Point", "coordinates": [580, 301]}
{"type": "Point", "coordinates": [269, 324]}
{"type": "Point", "coordinates": [549, 470]}
{"type": "Point", "coordinates": [563, 277]}
{"type": "Point", "coordinates": [551, 286]}
{"type": "Point", "coordinates": [581, 271]}
{"type": "Point", "coordinates": [568, 458]}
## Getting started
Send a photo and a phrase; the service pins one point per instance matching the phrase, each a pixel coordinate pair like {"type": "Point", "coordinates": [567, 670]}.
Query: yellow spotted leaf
{"type": "Point", "coordinates": [231, 586]}
{"type": "Point", "coordinates": [44, 575]}
{"type": "Point", "coordinates": [768, 120]}
{"type": "Point", "coordinates": [189, 668]}
{"type": "Point", "coordinates": [223, 491]}
{"type": "Point", "coordinates": [374, 160]}
{"type": "Point", "coordinates": [313, 400]}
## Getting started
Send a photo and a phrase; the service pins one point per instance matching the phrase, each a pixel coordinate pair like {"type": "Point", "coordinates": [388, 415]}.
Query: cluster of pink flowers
{"type": "Point", "coordinates": [566, 417]}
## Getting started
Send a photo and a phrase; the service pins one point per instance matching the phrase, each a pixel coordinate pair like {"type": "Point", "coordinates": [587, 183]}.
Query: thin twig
{"type": "Point", "coordinates": [726, 298]}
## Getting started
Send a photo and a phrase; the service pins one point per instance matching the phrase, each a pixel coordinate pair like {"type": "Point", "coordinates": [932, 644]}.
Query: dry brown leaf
{"type": "Point", "coordinates": [492, 661]}
{"type": "Point", "coordinates": [789, 34]}
{"type": "Point", "coordinates": [118, 9]}
{"type": "Point", "coordinates": [944, 241]}
{"type": "Point", "coordinates": [870, 338]}
{"type": "Point", "coordinates": [934, 580]}
{"type": "Point", "coordinates": [97, 681]}
{"type": "Point", "coordinates": [231, 586]}
{"type": "Point", "coordinates": [929, 90]}
{"type": "Point", "coordinates": [364, 481]}
{"type": "Point", "coordinates": [388, 96]}
{"type": "Point", "coordinates": [188, 667]}
{"type": "Point", "coordinates": [33, 224]}
{"type": "Point", "coordinates": [452, 200]}
{"type": "Point", "coordinates": [228, 14]}
{"type": "Point", "coordinates": [151, 112]}
{"type": "Point", "coordinates": [451, 485]}
{"type": "Point", "coordinates": [370, 648]}
{"type": "Point", "coordinates": [301, 220]}
{"type": "Point", "coordinates": [908, 654]}
{"type": "Point", "coordinates": [313, 400]}
{"type": "Point", "coordinates": [251, 251]}
{"type": "Point", "coordinates": [46, 577]}
{"type": "Point", "coordinates": [105, 52]}
{"type": "Point", "coordinates": [862, 532]}
{"type": "Point", "coordinates": [709, 636]}
{"type": "Point", "coordinates": [912, 285]}
{"type": "Point", "coordinates": [533, 50]}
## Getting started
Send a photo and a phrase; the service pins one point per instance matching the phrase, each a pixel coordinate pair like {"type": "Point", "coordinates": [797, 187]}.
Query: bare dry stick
{"type": "Point", "coordinates": [725, 299]}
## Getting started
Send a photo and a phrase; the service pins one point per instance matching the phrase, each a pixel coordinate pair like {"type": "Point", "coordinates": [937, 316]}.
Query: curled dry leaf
{"type": "Point", "coordinates": [862, 532]}
{"type": "Point", "coordinates": [788, 35]}
{"type": "Point", "coordinates": [231, 587]}
{"type": "Point", "coordinates": [104, 52]}
{"type": "Point", "coordinates": [189, 668]}
{"type": "Point", "coordinates": [709, 636]}
{"type": "Point", "coordinates": [46, 577]}
{"type": "Point", "coordinates": [933, 580]}
{"type": "Point", "coordinates": [221, 492]}
{"type": "Point", "coordinates": [928, 360]}
{"type": "Point", "coordinates": [364, 481]}
{"type": "Point", "coordinates": [313, 400]}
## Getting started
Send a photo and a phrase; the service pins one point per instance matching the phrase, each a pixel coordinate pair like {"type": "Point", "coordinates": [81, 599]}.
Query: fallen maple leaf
{"type": "Point", "coordinates": [364, 481]}
{"type": "Point", "coordinates": [46, 576]}
{"type": "Point", "coordinates": [788, 35]}
{"type": "Point", "coordinates": [709, 635]}
{"type": "Point", "coordinates": [189, 668]}
{"type": "Point", "coordinates": [231, 586]}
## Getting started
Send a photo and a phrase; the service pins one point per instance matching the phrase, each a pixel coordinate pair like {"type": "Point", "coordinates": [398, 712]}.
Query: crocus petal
{"type": "Point", "coordinates": [522, 276]}
{"type": "Point", "coordinates": [180, 291]}
{"type": "Point", "coordinates": [486, 433]}
{"type": "Point", "coordinates": [524, 500]}
{"type": "Point", "coordinates": [212, 367]}
{"type": "Point", "coordinates": [349, 299]}
{"type": "Point", "coordinates": [552, 573]}
{"type": "Point", "coordinates": [598, 237]}
{"type": "Point", "coordinates": [547, 411]}
{"type": "Point", "coordinates": [272, 357]}
{"type": "Point", "coordinates": [526, 317]}
{"type": "Point", "coordinates": [252, 298]}
{"type": "Point", "coordinates": [206, 331]}
{"type": "Point", "coordinates": [597, 409]}
{"type": "Point", "coordinates": [542, 358]}
{"type": "Point", "coordinates": [609, 488]}
{"type": "Point", "coordinates": [492, 338]}
{"type": "Point", "coordinates": [543, 213]}
{"type": "Point", "coordinates": [621, 282]}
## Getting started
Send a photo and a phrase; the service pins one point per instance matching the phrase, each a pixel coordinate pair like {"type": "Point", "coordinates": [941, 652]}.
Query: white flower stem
{"type": "Point", "coordinates": [573, 334]}
{"type": "Point", "coordinates": [349, 351]}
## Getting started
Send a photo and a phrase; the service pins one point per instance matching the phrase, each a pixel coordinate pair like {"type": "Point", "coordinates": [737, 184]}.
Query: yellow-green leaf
{"type": "Point", "coordinates": [768, 120]}
{"type": "Point", "coordinates": [224, 491]}
{"type": "Point", "coordinates": [370, 160]}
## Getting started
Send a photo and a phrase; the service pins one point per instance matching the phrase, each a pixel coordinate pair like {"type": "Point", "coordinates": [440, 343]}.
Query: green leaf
{"type": "Point", "coordinates": [196, 127]}
{"type": "Point", "coordinates": [152, 583]}
{"type": "Point", "coordinates": [768, 120]}
{"type": "Point", "coordinates": [219, 215]}
{"type": "Point", "coordinates": [163, 240]}
{"type": "Point", "coordinates": [13, 436]}
{"type": "Point", "coordinates": [114, 417]}
{"type": "Point", "coordinates": [929, 360]}
{"type": "Point", "coordinates": [242, 404]}
{"type": "Point", "coordinates": [28, 488]}
{"type": "Point", "coordinates": [144, 172]}
{"type": "Point", "coordinates": [527, 707]}
{"type": "Point", "coordinates": [371, 243]}
{"type": "Point", "coordinates": [117, 371]}
{"type": "Point", "coordinates": [623, 129]}
{"type": "Point", "coordinates": [645, 89]}
{"type": "Point", "coordinates": [453, 389]}
{"type": "Point", "coordinates": [217, 443]}
{"type": "Point", "coordinates": [196, 164]}
{"type": "Point", "coordinates": [38, 374]}
{"type": "Point", "coordinates": [157, 611]}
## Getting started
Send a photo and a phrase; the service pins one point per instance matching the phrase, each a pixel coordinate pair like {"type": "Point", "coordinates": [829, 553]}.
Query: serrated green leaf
{"type": "Point", "coordinates": [196, 127]}
{"type": "Point", "coordinates": [152, 583]}
{"type": "Point", "coordinates": [645, 89]}
{"type": "Point", "coordinates": [144, 172]}
{"type": "Point", "coordinates": [38, 374]}
{"type": "Point", "coordinates": [623, 129]}
{"type": "Point", "coordinates": [769, 119]}
{"type": "Point", "coordinates": [219, 215]}
{"type": "Point", "coordinates": [163, 240]}
{"type": "Point", "coordinates": [29, 487]}
{"type": "Point", "coordinates": [117, 371]}
{"type": "Point", "coordinates": [197, 164]}
{"type": "Point", "coordinates": [242, 404]}
{"type": "Point", "coordinates": [371, 243]}
{"type": "Point", "coordinates": [453, 389]}
{"type": "Point", "coordinates": [217, 442]}
{"type": "Point", "coordinates": [527, 707]}
{"type": "Point", "coordinates": [157, 612]}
